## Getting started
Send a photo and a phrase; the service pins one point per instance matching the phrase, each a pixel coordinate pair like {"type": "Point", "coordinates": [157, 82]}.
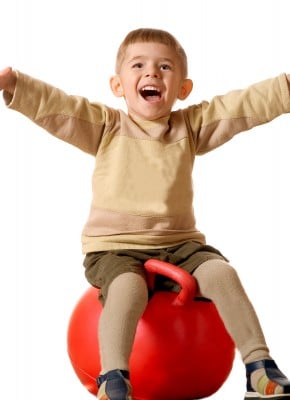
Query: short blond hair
{"type": "Point", "coordinates": [151, 35]}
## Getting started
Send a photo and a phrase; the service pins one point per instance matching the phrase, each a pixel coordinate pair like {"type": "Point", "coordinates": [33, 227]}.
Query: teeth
{"type": "Point", "coordinates": [150, 88]}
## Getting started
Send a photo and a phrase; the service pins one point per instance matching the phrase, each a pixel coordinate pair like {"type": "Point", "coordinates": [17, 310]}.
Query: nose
{"type": "Point", "coordinates": [152, 71]}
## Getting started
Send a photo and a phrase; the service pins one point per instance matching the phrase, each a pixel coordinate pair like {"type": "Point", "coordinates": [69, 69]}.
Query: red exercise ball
{"type": "Point", "coordinates": [181, 351]}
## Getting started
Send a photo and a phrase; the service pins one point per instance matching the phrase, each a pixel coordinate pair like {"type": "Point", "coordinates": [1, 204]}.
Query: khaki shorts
{"type": "Point", "coordinates": [101, 268]}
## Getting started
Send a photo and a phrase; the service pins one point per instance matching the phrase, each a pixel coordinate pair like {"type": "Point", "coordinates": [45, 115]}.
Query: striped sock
{"type": "Point", "coordinates": [263, 385]}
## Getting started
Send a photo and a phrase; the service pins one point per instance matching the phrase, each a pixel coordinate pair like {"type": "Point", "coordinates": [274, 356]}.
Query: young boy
{"type": "Point", "coordinates": [142, 193]}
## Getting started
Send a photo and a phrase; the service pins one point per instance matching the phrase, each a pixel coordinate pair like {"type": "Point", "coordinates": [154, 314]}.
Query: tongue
{"type": "Point", "coordinates": [151, 98]}
{"type": "Point", "coordinates": [151, 95]}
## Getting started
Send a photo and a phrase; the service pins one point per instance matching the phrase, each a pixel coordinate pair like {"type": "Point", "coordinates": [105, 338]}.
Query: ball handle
{"type": "Point", "coordinates": [183, 278]}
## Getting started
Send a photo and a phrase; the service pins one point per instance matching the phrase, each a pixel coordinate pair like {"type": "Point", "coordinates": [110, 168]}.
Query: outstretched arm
{"type": "Point", "coordinates": [8, 80]}
{"type": "Point", "coordinates": [70, 118]}
{"type": "Point", "coordinates": [240, 110]}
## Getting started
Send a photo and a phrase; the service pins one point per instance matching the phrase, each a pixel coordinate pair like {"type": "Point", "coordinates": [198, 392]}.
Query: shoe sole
{"type": "Point", "coordinates": [257, 396]}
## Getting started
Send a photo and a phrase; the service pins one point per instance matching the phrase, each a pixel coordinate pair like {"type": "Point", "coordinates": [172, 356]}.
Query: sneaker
{"type": "Point", "coordinates": [114, 385]}
{"type": "Point", "coordinates": [274, 376]}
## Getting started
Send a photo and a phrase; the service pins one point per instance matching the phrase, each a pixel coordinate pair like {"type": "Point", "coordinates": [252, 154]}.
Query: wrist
{"type": "Point", "coordinates": [288, 81]}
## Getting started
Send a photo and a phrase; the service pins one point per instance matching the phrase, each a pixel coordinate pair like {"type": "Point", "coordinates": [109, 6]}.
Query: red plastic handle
{"type": "Point", "coordinates": [183, 278]}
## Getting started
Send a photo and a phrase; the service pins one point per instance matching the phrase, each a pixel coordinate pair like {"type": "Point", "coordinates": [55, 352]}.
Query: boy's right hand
{"type": "Point", "coordinates": [8, 80]}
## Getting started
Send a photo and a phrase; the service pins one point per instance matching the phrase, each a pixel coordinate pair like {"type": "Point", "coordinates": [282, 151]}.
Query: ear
{"type": "Point", "coordinates": [116, 86]}
{"type": "Point", "coordinates": [185, 89]}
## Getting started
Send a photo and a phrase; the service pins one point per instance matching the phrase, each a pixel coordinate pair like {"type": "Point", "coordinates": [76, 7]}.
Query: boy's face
{"type": "Point", "coordinates": [150, 80]}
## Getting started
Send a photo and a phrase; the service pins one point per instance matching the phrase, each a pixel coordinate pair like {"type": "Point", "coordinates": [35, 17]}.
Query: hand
{"type": "Point", "coordinates": [8, 80]}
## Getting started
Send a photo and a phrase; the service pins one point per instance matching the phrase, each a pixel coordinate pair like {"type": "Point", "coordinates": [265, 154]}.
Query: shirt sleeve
{"type": "Point", "coordinates": [214, 123]}
{"type": "Point", "coordinates": [70, 118]}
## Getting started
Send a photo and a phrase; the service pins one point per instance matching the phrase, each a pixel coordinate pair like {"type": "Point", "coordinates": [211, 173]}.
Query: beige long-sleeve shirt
{"type": "Point", "coordinates": [142, 191]}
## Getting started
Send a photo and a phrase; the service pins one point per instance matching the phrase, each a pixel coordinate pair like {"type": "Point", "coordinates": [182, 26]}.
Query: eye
{"type": "Point", "coordinates": [137, 65]}
{"type": "Point", "coordinates": [165, 67]}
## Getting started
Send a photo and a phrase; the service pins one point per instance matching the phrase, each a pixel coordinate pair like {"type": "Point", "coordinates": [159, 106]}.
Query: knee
{"type": "Point", "coordinates": [216, 276]}
{"type": "Point", "coordinates": [130, 288]}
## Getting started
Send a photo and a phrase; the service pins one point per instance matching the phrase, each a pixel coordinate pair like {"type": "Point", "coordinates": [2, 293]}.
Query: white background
{"type": "Point", "coordinates": [242, 189]}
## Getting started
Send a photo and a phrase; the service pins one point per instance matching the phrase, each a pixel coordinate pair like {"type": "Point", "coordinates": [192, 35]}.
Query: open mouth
{"type": "Point", "coordinates": [150, 93]}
